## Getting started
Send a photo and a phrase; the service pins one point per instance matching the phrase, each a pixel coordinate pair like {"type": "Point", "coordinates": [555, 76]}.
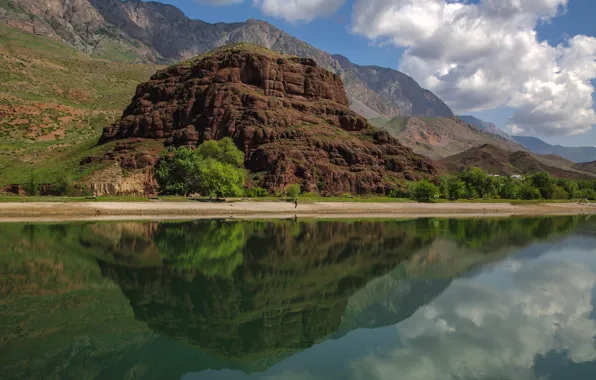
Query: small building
{"type": "Point", "coordinates": [518, 176]}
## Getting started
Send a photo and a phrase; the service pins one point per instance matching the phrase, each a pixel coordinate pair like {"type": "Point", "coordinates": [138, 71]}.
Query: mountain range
{"type": "Point", "coordinates": [440, 137]}
{"type": "Point", "coordinates": [575, 154]}
{"type": "Point", "coordinates": [74, 70]}
{"type": "Point", "coordinates": [153, 32]}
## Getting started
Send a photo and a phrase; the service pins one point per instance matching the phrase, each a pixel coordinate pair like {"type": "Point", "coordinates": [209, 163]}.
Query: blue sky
{"type": "Point", "coordinates": [334, 34]}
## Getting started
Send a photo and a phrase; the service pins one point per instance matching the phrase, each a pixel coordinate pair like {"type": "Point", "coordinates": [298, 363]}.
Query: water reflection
{"type": "Point", "coordinates": [428, 298]}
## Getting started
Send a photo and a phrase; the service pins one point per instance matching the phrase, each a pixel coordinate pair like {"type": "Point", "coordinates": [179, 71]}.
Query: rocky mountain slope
{"type": "Point", "coordinates": [484, 125]}
{"type": "Point", "coordinates": [575, 154]}
{"type": "Point", "coordinates": [54, 102]}
{"type": "Point", "coordinates": [589, 167]}
{"type": "Point", "coordinates": [289, 116]}
{"type": "Point", "coordinates": [438, 138]}
{"type": "Point", "coordinates": [495, 160]}
{"type": "Point", "coordinates": [150, 31]}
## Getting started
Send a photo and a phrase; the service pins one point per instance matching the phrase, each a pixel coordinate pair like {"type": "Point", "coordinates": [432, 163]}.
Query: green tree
{"type": "Point", "coordinates": [423, 191]}
{"type": "Point", "coordinates": [542, 181]}
{"type": "Point", "coordinates": [477, 181]}
{"type": "Point", "coordinates": [453, 188]}
{"type": "Point", "coordinates": [224, 151]}
{"type": "Point", "coordinates": [217, 179]}
{"type": "Point", "coordinates": [176, 173]}
{"type": "Point", "coordinates": [213, 169]}
{"type": "Point", "coordinates": [508, 188]}
{"type": "Point", "coordinates": [528, 192]}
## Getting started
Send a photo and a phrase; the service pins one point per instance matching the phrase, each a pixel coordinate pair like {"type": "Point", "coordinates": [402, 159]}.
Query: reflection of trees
{"type": "Point", "coordinates": [493, 233]}
{"type": "Point", "coordinates": [212, 247]}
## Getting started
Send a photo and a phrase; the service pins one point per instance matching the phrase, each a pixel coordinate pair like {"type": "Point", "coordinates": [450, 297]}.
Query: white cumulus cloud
{"type": "Point", "coordinates": [486, 55]}
{"type": "Point", "coordinates": [298, 10]}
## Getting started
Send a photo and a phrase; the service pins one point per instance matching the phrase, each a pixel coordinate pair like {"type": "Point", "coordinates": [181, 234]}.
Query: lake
{"type": "Point", "coordinates": [423, 299]}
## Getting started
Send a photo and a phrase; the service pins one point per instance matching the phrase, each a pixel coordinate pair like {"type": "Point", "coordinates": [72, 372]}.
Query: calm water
{"type": "Point", "coordinates": [425, 299]}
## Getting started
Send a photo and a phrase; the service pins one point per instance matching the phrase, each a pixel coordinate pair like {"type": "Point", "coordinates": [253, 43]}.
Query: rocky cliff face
{"type": "Point", "coordinates": [155, 32]}
{"type": "Point", "coordinates": [289, 116]}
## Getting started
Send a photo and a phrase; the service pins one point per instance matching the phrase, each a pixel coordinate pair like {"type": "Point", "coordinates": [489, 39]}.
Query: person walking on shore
{"type": "Point", "coordinates": [295, 203]}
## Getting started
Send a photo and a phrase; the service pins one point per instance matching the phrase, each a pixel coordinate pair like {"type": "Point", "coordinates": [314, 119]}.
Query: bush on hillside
{"type": "Point", "coordinates": [63, 186]}
{"type": "Point", "coordinates": [293, 190]}
{"type": "Point", "coordinates": [32, 186]}
{"type": "Point", "coordinates": [423, 191]}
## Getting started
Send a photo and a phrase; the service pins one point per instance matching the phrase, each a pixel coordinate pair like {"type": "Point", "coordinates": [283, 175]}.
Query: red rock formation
{"type": "Point", "coordinates": [289, 116]}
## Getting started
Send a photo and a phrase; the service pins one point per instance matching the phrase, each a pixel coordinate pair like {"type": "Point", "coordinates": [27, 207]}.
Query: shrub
{"type": "Point", "coordinates": [63, 185]}
{"type": "Point", "coordinates": [423, 191]}
{"type": "Point", "coordinates": [398, 193]}
{"type": "Point", "coordinates": [255, 192]}
{"type": "Point", "coordinates": [293, 190]}
{"type": "Point", "coordinates": [32, 186]}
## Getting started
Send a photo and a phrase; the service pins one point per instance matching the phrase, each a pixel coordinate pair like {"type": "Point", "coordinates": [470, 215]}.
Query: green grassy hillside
{"type": "Point", "coordinates": [54, 101]}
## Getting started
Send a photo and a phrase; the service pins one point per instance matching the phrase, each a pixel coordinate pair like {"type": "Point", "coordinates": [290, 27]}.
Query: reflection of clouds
{"type": "Point", "coordinates": [476, 331]}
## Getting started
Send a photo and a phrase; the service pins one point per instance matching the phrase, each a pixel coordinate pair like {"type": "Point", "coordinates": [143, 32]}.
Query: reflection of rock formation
{"type": "Point", "coordinates": [289, 293]}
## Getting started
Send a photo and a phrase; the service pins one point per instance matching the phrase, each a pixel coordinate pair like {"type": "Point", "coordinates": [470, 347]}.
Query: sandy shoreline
{"type": "Point", "coordinates": [192, 210]}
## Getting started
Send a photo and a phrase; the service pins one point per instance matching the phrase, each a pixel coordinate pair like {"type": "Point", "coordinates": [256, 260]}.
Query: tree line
{"type": "Point", "coordinates": [216, 169]}
{"type": "Point", "coordinates": [474, 183]}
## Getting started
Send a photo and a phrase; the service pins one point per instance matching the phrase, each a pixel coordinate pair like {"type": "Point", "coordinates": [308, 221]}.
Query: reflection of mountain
{"type": "Point", "coordinates": [231, 294]}
{"type": "Point", "coordinates": [459, 247]}
{"type": "Point", "coordinates": [288, 293]}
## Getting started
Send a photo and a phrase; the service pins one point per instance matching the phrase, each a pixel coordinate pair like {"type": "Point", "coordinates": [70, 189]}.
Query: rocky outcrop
{"type": "Point", "coordinates": [161, 33]}
{"type": "Point", "coordinates": [113, 181]}
{"type": "Point", "coordinates": [289, 116]}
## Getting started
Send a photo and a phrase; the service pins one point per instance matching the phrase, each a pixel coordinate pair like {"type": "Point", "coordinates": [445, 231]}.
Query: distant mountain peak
{"type": "Point", "coordinates": [484, 125]}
